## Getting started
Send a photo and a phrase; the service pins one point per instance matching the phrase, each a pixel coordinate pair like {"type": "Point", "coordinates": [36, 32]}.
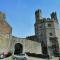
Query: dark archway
{"type": "Point", "coordinates": [18, 49]}
{"type": "Point", "coordinates": [55, 46]}
{"type": "Point", "coordinates": [44, 48]}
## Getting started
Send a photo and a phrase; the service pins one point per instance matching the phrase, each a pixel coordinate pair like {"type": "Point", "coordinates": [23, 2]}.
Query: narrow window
{"type": "Point", "coordinates": [49, 25]}
{"type": "Point", "coordinates": [50, 34]}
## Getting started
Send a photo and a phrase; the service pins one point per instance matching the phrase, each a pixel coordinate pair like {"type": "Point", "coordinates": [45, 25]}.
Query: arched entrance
{"type": "Point", "coordinates": [18, 48]}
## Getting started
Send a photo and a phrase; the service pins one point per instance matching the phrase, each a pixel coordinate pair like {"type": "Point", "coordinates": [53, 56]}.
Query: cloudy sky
{"type": "Point", "coordinates": [20, 14]}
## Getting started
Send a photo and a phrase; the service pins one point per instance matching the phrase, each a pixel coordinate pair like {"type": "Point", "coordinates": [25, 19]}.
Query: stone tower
{"type": "Point", "coordinates": [5, 33]}
{"type": "Point", "coordinates": [46, 30]}
{"type": "Point", "coordinates": [38, 18]}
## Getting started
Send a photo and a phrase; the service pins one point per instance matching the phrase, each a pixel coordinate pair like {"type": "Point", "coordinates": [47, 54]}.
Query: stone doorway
{"type": "Point", "coordinates": [18, 48]}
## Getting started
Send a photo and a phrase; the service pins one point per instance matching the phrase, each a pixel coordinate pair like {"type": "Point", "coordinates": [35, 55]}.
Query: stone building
{"type": "Point", "coordinates": [43, 45]}
{"type": "Point", "coordinates": [48, 32]}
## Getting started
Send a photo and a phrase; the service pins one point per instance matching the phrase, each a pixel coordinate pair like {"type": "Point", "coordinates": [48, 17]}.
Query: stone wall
{"type": "Point", "coordinates": [5, 34]}
{"type": "Point", "coordinates": [28, 45]}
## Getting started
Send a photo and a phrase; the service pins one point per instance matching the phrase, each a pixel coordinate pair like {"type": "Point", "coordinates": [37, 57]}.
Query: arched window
{"type": "Point", "coordinates": [18, 49]}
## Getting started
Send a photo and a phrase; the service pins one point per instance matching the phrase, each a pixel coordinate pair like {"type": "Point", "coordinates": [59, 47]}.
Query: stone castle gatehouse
{"type": "Point", "coordinates": [45, 42]}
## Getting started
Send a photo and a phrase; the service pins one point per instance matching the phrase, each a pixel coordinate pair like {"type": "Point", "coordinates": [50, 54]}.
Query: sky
{"type": "Point", "coordinates": [20, 14]}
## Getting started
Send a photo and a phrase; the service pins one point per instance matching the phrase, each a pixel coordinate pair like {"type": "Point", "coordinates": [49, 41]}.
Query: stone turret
{"type": "Point", "coordinates": [54, 16]}
{"type": "Point", "coordinates": [38, 15]}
